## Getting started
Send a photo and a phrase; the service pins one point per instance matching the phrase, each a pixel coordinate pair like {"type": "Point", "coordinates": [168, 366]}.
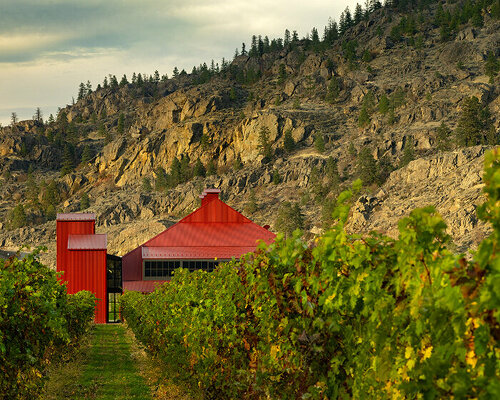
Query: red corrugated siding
{"type": "Point", "coordinates": [88, 242]}
{"type": "Point", "coordinates": [132, 265]}
{"type": "Point", "coordinates": [141, 286]}
{"type": "Point", "coordinates": [87, 271]}
{"type": "Point", "coordinates": [82, 269]}
{"type": "Point", "coordinates": [64, 229]}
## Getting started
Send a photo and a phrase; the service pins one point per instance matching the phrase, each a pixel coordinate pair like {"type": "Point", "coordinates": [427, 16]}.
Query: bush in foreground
{"type": "Point", "coordinates": [38, 320]}
{"type": "Point", "coordinates": [352, 317]}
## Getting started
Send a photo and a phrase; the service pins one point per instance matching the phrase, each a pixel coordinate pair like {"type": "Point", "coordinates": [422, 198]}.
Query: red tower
{"type": "Point", "coordinates": [81, 257]}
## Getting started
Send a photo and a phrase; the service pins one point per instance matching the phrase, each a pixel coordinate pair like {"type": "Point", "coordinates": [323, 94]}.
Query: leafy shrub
{"type": "Point", "coordinates": [352, 317]}
{"type": "Point", "coordinates": [37, 321]}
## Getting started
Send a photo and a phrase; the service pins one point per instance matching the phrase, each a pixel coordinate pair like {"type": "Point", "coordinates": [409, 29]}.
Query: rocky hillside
{"type": "Point", "coordinates": [367, 104]}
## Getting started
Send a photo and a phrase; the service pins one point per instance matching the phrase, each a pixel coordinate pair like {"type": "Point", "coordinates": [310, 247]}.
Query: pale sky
{"type": "Point", "coordinates": [47, 47]}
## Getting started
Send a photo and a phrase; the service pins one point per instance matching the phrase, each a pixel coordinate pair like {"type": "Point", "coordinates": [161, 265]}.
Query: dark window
{"type": "Point", "coordinates": [163, 269]}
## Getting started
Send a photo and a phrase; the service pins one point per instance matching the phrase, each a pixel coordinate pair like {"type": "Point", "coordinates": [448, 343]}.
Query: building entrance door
{"type": "Point", "coordinates": [114, 288]}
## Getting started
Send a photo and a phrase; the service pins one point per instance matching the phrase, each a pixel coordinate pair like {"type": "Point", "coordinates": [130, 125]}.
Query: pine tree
{"type": "Point", "coordinates": [332, 172]}
{"type": "Point", "coordinates": [289, 218]}
{"type": "Point", "coordinates": [333, 90]}
{"type": "Point", "coordinates": [276, 177]}
{"type": "Point", "coordinates": [204, 141]}
{"type": "Point", "coordinates": [84, 201]}
{"type": "Point", "coordinates": [243, 49]}
{"type": "Point", "coordinates": [477, 18]}
{"type": "Point", "coordinates": [288, 142]}
{"type": "Point", "coordinates": [443, 135]}
{"type": "Point", "coordinates": [32, 189]}
{"type": "Point", "coordinates": [146, 185]}
{"type": "Point", "coordinates": [62, 120]}
{"type": "Point", "coordinates": [211, 168]}
{"type": "Point", "coordinates": [175, 172]}
{"type": "Point", "coordinates": [251, 206]}
{"type": "Point", "coordinates": [13, 118]}
{"type": "Point", "coordinates": [384, 169]}
{"type": "Point", "coordinates": [408, 152]}
{"type": "Point", "coordinates": [88, 88]}
{"type": "Point", "coordinates": [124, 81]}
{"type": "Point", "coordinates": [17, 217]}
{"type": "Point", "coordinates": [38, 116]}
{"type": "Point", "coordinates": [282, 74]}
{"type": "Point", "coordinates": [186, 172]}
{"type": "Point", "coordinates": [253, 47]}
{"type": "Point", "coordinates": [101, 130]}
{"type": "Point", "coordinates": [113, 82]}
{"type": "Point", "coordinates": [364, 117]}
{"type": "Point", "coordinates": [474, 123]}
{"type": "Point", "coordinates": [314, 37]}
{"type": "Point", "coordinates": [175, 72]}
{"type": "Point", "coordinates": [366, 166]}
{"type": "Point", "coordinates": [331, 32]}
{"type": "Point", "coordinates": [67, 161]}
{"type": "Point", "coordinates": [140, 81]}
{"type": "Point", "coordinates": [105, 84]}
{"type": "Point", "coordinates": [347, 19]}
{"type": "Point", "coordinates": [199, 168]}
{"type": "Point", "coordinates": [156, 77]}
{"type": "Point", "coordinates": [265, 146]}
{"type": "Point", "coordinates": [287, 39]}
{"type": "Point", "coordinates": [162, 180]}
{"type": "Point", "coordinates": [260, 46]}
{"type": "Point", "coordinates": [81, 91]}
{"type": "Point", "coordinates": [492, 66]}
{"type": "Point", "coordinates": [86, 154]}
{"type": "Point", "coordinates": [319, 142]}
{"type": "Point", "coordinates": [383, 104]}
{"type": "Point", "coordinates": [358, 14]}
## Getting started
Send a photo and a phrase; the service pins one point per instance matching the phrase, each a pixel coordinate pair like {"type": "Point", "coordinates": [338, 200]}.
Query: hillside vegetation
{"type": "Point", "coordinates": [395, 95]}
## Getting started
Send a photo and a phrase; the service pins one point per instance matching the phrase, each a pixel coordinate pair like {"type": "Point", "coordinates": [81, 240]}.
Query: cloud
{"type": "Point", "coordinates": [47, 47]}
{"type": "Point", "coordinates": [33, 29]}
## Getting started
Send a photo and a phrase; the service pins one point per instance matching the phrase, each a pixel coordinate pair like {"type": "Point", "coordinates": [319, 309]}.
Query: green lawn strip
{"type": "Point", "coordinates": [110, 371]}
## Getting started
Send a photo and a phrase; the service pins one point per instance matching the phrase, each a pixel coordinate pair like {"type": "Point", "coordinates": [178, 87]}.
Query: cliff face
{"type": "Point", "coordinates": [221, 121]}
{"type": "Point", "coordinates": [452, 182]}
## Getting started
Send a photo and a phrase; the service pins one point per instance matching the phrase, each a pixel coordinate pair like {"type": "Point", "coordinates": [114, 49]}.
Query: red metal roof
{"type": "Point", "coordinates": [214, 230]}
{"type": "Point", "coordinates": [76, 217]}
{"type": "Point", "coordinates": [87, 242]}
{"type": "Point", "coordinates": [199, 253]}
{"type": "Point", "coordinates": [141, 286]}
{"type": "Point", "coordinates": [215, 234]}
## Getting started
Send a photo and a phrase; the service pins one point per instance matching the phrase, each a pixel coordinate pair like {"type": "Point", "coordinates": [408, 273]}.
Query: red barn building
{"type": "Point", "coordinates": [84, 263]}
{"type": "Point", "coordinates": [213, 233]}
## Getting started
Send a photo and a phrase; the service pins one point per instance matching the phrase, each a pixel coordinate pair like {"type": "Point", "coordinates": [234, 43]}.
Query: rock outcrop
{"type": "Point", "coordinates": [134, 131]}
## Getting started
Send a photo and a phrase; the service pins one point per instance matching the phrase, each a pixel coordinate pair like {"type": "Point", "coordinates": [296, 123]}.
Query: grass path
{"type": "Point", "coordinates": [104, 369]}
{"type": "Point", "coordinates": [110, 364]}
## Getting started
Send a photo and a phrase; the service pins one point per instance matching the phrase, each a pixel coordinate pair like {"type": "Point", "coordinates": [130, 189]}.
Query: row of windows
{"type": "Point", "coordinates": [114, 275]}
{"type": "Point", "coordinates": [165, 269]}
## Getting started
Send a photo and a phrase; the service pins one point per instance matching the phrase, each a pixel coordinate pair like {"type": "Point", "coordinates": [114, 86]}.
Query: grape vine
{"type": "Point", "coordinates": [353, 316]}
